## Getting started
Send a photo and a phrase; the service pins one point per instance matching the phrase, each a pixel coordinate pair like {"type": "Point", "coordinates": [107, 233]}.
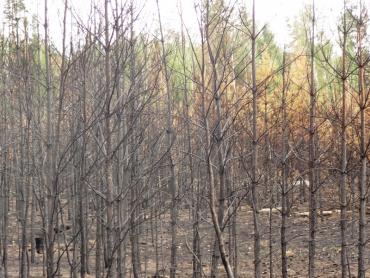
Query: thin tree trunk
{"type": "Point", "coordinates": [98, 236]}
{"type": "Point", "coordinates": [108, 147]}
{"type": "Point", "coordinates": [210, 177]}
{"type": "Point", "coordinates": [254, 175]}
{"type": "Point", "coordinates": [49, 208]}
{"type": "Point", "coordinates": [170, 143]}
{"type": "Point", "coordinates": [5, 190]}
{"type": "Point", "coordinates": [343, 147]}
{"type": "Point", "coordinates": [284, 170]}
{"type": "Point", "coordinates": [82, 190]}
{"type": "Point", "coordinates": [220, 149]}
{"type": "Point", "coordinates": [362, 178]}
{"type": "Point", "coordinates": [134, 195]}
{"type": "Point", "coordinates": [312, 156]}
{"type": "Point", "coordinates": [268, 184]}
{"type": "Point", "coordinates": [196, 261]}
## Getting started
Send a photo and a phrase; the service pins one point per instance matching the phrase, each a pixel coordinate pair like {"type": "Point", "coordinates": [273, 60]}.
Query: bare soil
{"type": "Point", "coordinates": [327, 251]}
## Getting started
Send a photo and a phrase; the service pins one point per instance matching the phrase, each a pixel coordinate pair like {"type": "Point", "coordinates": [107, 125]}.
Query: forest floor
{"type": "Point", "coordinates": [327, 251]}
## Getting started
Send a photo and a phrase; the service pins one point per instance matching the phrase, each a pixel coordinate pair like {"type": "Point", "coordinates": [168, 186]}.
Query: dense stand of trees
{"type": "Point", "coordinates": [125, 153]}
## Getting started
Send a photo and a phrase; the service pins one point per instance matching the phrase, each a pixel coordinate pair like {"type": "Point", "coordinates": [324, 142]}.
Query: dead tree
{"type": "Point", "coordinates": [363, 96]}
{"type": "Point", "coordinates": [170, 142]}
{"type": "Point", "coordinates": [254, 173]}
{"type": "Point", "coordinates": [312, 174]}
